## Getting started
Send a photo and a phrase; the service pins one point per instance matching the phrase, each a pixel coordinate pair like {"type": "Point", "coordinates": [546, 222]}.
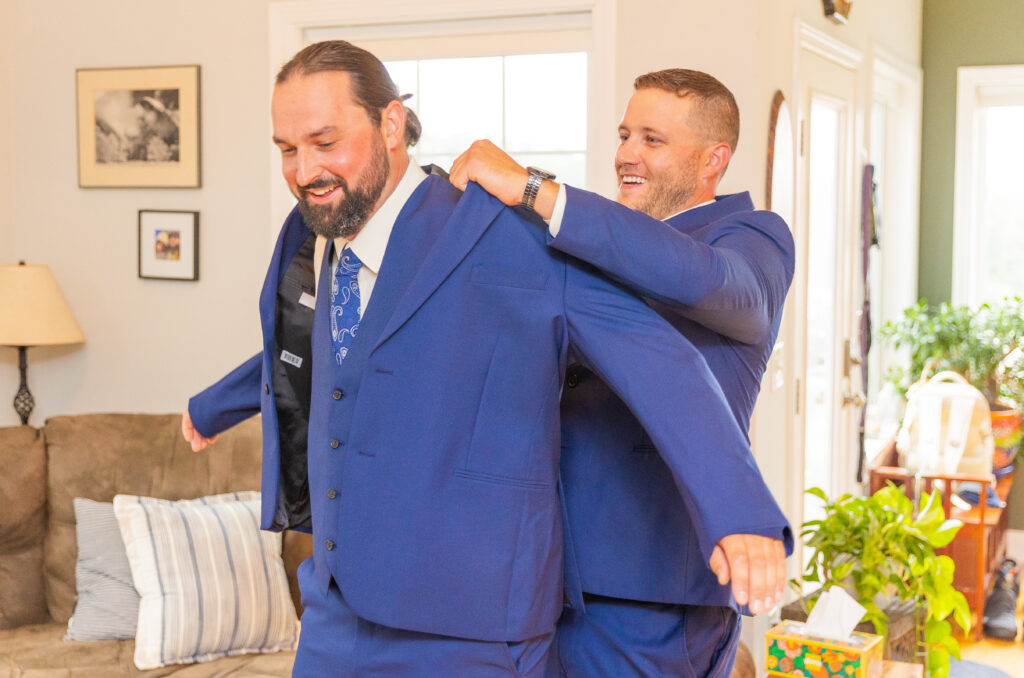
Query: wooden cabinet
{"type": "Point", "coordinates": [980, 545]}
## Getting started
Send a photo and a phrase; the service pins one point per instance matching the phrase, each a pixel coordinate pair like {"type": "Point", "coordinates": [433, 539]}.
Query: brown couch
{"type": "Point", "coordinates": [97, 456]}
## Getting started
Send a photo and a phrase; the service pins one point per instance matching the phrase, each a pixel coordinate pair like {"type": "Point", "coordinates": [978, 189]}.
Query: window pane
{"type": "Point", "coordinates": [826, 133]}
{"type": "Point", "coordinates": [1000, 217]}
{"type": "Point", "coordinates": [460, 102]}
{"type": "Point", "coordinates": [444, 161]}
{"type": "Point", "coordinates": [403, 74]}
{"type": "Point", "coordinates": [546, 102]}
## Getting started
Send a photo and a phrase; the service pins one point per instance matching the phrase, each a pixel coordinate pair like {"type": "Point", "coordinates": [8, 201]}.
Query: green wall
{"type": "Point", "coordinates": [955, 33]}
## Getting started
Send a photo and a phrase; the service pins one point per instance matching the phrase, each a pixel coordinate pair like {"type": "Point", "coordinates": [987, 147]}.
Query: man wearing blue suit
{"type": "Point", "coordinates": [409, 386]}
{"type": "Point", "coordinates": [719, 272]}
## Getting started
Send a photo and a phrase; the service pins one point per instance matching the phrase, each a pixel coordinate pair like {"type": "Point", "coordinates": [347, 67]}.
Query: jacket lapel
{"type": "Point", "coordinates": [427, 244]}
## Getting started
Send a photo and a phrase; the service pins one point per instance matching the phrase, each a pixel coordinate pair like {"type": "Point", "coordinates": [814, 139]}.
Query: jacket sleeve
{"type": "Point", "coordinates": [734, 285]}
{"type": "Point", "coordinates": [232, 399]}
{"type": "Point", "coordinates": [668, 386]}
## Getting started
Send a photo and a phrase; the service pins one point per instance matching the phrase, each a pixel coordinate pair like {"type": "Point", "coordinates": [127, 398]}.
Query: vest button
{"type": "Point", "coordinates": [337, 394]}
{"type": "Point", "coordinates": [335, 443]}
{"type": "Point", "coordinates": [329, 545]}
{"type": "Point", "coordinates": [332, 493]}
{"type": "Point", "coordinates": [573, 380]}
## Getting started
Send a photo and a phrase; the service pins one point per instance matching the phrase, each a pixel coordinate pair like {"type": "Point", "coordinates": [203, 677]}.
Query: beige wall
{"type": "Point", "coordinates": [149, 343]}
{"type": "Point", "coordinates": [8, 356]}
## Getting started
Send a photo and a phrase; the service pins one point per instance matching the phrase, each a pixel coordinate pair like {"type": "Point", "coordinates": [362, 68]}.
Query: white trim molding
{"type": "Point", "coordinates": [976, 87]}
{"type": "Point", "coordinates": [290, 22]}
{"type": "Point", "coordinates": [824, 45]}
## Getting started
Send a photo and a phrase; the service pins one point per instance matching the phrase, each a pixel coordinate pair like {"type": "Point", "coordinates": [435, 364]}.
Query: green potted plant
{"type": "Point", "coordinates": [982, 344]}
{"type": "Point", "coordinates": [878, 549]}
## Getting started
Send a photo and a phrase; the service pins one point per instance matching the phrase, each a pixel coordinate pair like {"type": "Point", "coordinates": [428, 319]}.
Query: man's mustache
{"type": "Point", "coordinates": [324, 182]}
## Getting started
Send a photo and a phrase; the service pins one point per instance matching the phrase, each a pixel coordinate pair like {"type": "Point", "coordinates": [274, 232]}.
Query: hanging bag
{"type": "Point", "coordinates": [947, 428]}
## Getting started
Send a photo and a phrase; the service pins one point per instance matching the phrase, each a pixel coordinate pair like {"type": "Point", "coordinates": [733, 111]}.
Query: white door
{"type": "Point", "coordinates": [827, 285]}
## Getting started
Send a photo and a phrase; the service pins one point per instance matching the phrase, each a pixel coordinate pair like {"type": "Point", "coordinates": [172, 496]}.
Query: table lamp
{"type": "Point", "coordinates": [33, 312]}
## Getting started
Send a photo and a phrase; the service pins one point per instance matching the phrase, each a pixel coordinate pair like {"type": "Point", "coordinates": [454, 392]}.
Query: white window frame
{"type": "Point", "coordinates": [290, 19]}
{"type": "Point", "coordinates": [976, 88]}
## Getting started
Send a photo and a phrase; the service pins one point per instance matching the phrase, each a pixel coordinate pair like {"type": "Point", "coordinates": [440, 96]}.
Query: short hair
{"type": "Point", "coordinates": [715, 114]}
{"type": "Point", "coordinates": [372, 87]}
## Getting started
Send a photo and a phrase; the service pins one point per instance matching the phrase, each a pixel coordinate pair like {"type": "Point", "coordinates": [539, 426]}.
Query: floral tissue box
{"type": "Point", "coordinates": [792, 652]}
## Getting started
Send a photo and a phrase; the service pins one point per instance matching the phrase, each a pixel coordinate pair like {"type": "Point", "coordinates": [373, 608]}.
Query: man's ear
{"type": "Point", "coordinates": [716, 159]}
{"type": "Point", "coordinates": [392, 121]}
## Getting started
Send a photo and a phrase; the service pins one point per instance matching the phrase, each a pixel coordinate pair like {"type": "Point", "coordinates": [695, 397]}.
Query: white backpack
{"type": "Point", "coordinates": [947, 428]}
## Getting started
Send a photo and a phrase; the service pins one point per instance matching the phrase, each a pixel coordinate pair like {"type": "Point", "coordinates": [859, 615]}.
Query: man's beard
{"type": "Point", "coordinates": [348, 217]}
{"type": "Point", "coordinates": [668, 194]}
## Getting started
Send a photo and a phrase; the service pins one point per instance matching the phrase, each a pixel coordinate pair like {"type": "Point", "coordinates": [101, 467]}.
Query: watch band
{"type": "Point", "coordinates": [533, 182]}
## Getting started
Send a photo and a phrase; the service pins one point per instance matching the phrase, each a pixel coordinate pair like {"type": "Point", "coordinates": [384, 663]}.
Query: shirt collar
{"type": "Point", "coordinates": [371, 241]}
{"type": "Point", "coordinates": [707, 202]}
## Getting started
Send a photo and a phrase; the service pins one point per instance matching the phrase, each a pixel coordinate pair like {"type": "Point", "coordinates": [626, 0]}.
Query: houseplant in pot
{"type": "Point", "coordinates": [880, 549]}
{"type": "Point", "coordinates": [981, 344]}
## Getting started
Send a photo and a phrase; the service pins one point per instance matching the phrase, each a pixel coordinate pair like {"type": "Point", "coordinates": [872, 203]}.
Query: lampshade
{"type": "Point", "coordinates": [33, 311]}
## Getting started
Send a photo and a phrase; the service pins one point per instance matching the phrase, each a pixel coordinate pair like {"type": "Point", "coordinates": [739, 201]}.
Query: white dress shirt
{"type": "Point", "coordinates": [371, 242]}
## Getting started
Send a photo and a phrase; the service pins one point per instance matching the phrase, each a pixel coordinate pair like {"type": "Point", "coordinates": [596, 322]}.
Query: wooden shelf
{"type": "Point", "coordinates": [979, 546]}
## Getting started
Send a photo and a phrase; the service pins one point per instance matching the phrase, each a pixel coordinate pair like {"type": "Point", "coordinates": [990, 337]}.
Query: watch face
{"type": "Point", "coordinates": [543, 174]}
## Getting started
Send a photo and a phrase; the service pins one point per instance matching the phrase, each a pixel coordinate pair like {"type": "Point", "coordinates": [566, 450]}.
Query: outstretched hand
{"type": "Point", "coordinates": [492, 168]}
{"type": "Point", "coordinates": [192, 436]}
{"type": "Point", "coordinates": [756, 566]}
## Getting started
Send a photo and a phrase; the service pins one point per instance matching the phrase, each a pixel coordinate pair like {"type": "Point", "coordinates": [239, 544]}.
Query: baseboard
{"type": "Point", "coordinates": [1015, 544]}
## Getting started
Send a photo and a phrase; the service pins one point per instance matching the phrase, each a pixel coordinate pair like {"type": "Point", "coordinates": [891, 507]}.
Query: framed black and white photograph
{"type": "Point", "coordinates": [168, 245]}
{"type": "Point", "coordinates": [138, 127]}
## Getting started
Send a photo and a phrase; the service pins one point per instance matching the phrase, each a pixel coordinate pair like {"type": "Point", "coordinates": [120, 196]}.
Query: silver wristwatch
{"type": "Point", "coordinates": [536, 178]}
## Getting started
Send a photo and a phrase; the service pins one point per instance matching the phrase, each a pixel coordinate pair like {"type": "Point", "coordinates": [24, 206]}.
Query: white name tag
{"type": "Point", "coordinates": [291, 359]}
{"type": "Point", "coordinates": [308, 300]}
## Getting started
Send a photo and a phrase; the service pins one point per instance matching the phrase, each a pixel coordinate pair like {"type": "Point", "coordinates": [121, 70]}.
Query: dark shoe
{"type": "Point", "coordinates": [1000, 618]}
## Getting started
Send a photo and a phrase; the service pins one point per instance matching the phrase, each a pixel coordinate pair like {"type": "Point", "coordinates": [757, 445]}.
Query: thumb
{"type": "Point", "coordinates": [720, 565]}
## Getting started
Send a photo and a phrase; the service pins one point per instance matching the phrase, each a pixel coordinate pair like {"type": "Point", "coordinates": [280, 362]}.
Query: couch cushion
{"type": "Point", "coordinates": [96, 456]}
{"type": "Point", "coordinates": [22, 521]}
{"type": "Point", "coordinates": [38, 652]}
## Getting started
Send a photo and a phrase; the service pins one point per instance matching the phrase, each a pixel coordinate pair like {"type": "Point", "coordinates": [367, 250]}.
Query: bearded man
{"type": "Point", "coordinates": [409, 385]}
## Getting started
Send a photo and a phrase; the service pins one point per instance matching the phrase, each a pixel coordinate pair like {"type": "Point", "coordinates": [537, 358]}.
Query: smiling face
{"type": "Point", "coordinates": [333, 156]}
{"type": "Point", "coordinates": [661, 160]}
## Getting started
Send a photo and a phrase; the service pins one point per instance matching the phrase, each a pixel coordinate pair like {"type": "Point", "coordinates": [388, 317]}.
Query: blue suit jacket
{"type": "Point", "coordinates": [440, 434]}
{"type": "Point", "coordinates": [719, 274]}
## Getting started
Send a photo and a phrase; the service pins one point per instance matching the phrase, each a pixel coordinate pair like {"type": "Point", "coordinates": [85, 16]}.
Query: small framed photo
{"type": "Point", "coordinates": [138, 127]}
{"type": "Point", "coordinates": [168, 245]}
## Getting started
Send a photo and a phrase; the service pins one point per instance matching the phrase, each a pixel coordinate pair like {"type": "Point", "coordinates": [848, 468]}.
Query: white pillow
{"type": "Point", "coordinates": [211, 582]}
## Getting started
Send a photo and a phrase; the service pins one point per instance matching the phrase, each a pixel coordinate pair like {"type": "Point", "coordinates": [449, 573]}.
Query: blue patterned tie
{"type": "Point", "coordinates": [345, 303]}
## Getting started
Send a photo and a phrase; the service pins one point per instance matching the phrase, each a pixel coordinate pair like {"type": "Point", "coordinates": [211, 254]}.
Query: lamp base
{"type": "Point", "coordinates": [24, 403]}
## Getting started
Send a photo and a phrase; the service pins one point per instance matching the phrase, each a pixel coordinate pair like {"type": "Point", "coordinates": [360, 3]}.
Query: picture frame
{"type": "Point", "coordinates": [168, 245]}
{"type": "Point", "coordinates": [138, 127]}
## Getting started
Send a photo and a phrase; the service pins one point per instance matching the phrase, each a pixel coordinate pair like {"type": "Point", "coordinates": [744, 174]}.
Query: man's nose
{"type": "Point", "coordinates": [626, 153]}
{"type": "Point", "coordinates": [307, 168]}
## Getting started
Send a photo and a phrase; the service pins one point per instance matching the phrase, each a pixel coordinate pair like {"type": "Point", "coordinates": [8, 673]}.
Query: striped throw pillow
{"type": "Point", "coordinates": [211, 583]}
{"type": "Point", "coordinates": [108, 605]}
